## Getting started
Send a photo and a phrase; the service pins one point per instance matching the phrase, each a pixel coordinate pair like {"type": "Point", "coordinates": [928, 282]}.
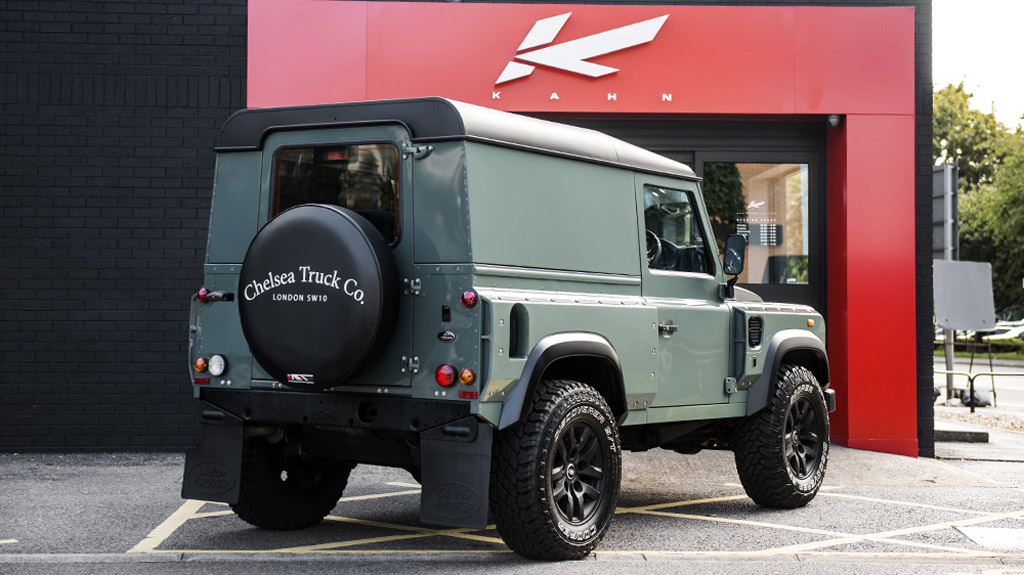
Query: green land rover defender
{"type": "Point", "coordinates": [499, 305]}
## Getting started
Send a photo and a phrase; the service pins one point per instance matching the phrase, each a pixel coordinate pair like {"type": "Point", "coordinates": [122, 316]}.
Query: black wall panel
{"type": "Point", "coordinates": [109, 113]}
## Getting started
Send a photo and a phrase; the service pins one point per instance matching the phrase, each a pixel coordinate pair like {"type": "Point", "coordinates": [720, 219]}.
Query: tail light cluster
{"type": "Point", "coordinates": [215, 366]}
{"type": "Point", "coordinates": [445, 376]}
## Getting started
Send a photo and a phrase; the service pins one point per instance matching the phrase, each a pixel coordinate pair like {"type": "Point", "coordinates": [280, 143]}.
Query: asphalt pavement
{"type": "Point", "coordinates": [877, 513]}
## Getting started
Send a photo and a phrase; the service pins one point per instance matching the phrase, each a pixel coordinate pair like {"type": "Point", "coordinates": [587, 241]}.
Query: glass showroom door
{"type": "Point", "coordinates": [778, 204]}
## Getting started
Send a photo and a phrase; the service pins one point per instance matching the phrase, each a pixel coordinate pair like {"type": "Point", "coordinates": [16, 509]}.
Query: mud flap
{"type": "Point", "coordinates": [213, 467]}
{"type": "Point", "coordinates": [456, 471]}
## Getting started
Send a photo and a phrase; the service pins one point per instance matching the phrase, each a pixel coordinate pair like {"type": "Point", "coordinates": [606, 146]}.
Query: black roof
{"type": "Point", "coordinates": [429, 119]}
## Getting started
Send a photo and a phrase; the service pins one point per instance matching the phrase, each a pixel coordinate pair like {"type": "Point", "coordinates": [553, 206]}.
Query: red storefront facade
{"type": "Point", "coordinates": [850, 66]}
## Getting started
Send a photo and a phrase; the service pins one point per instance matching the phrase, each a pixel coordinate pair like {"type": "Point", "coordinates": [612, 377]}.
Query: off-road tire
{"type": "Point", "coordinates": [782, 451]}
{"type": "Point", "coordinates": [270, 500]}
{"type": "Point", "coordinates": [551, 497]}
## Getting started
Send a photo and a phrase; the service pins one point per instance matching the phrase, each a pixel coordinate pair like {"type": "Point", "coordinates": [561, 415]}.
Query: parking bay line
{"type": "Point", "coordinates": [5, 541]}
{"type": "Point", "coordinates": [809, 530]}
{"type": "Point", "coordinates": [888, 535]}
{"type": "Point", "coordinates": [907, 503]}
{"type": "Point", "coordinates": [190, 510]}
{"type": "Point", "coordinates": [169, 526]}
{"type": "Point", "coordinates": [417, 533]}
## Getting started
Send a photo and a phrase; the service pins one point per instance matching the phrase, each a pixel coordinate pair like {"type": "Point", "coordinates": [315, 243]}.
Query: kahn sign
{"type": "Point", "coordinates": [573, 55]}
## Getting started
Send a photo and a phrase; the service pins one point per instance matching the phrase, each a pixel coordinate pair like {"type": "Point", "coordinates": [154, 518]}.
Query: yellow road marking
{"type": "Point", "coordinates": [211, 514]}
{"type": "Point", "coordinates": [894, 555]}
{"type": "Point", "coordinates": [338, 551]}
{"type": "Point", "coordinates": [743, 522]}
{"type": "Point", "coordinates": [3, 541]}
{"type": "Point", "coordinates": [417, 533]}
{"type": "Point", "coordinates": [169, 526]}
{"type": "Point", "coordinates": [379, 495]}
{"type": "Point", "coordinates": [771, 551]}
{"type": "Point", "coordinates": [401, 484]}
{"type": "Point", "coordinates": [190, 510]}
{"type": "Point", "coordinates": [340, 544]}
{"type": "Point", "coordinates": [457, 533]}
{"type": "Point", "coordinates": [684, 503]}
{"type": "Point", "coordinates": [907, 503]}
{"type": "Point", "coordinates": [803, 547]}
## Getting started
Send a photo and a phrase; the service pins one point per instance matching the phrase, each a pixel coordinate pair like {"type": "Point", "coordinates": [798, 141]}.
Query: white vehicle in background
{"type": "Point", "coordinates": [1005, 330]}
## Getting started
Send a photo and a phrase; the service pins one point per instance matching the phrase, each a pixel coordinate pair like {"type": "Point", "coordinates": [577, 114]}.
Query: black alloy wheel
{"type": "Point", "coordinates": [801, 439]}
{"type": "Point", "coordinates": [577, 473]}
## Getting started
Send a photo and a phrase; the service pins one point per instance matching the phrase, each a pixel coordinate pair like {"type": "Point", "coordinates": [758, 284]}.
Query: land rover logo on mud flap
{"type": "Point", "coordinates": [211, 478]}
{"type": "Point", "coordinates": [304, 275]}
{"type": "Point", "coordinates": [453, 500]}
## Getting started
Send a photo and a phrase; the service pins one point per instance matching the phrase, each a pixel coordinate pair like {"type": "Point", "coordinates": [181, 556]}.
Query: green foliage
{"type": "Point", "coordinates": [723, 197]}
{"type": "Point", "coordinates": [991, 163]}
{"type": "Point", "coordinates": [965, 136]}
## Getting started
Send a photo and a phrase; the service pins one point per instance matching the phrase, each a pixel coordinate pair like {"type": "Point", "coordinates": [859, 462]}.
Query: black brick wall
{"type": "Point", "coordinates": [108, 113]}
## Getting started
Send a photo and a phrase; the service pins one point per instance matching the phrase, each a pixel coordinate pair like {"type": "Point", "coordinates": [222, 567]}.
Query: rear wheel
{"type": "Point", "coordinates": [283, 489]}
{"type": "Point", "coordinates": [556, 474]}
{"type": "Point", "coordinates": [782, 451]}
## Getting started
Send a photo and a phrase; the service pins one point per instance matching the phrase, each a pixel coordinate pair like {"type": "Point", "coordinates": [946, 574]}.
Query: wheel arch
{"type": "Point", "coordinates": [794, 347]}
{"type": "Point", "coordinates": [585, 357]}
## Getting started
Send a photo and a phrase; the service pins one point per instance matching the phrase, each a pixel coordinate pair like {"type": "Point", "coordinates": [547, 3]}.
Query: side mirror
{"type": "Point", "coordinates": [735, 254]}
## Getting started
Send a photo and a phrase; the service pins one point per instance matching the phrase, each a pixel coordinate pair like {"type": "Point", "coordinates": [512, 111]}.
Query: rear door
{"type": "Point", "coordinates": [364, 170]}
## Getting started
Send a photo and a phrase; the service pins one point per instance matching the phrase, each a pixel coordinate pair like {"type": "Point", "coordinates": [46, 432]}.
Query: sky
{"type": "Point", "coordinates": [982, 43]}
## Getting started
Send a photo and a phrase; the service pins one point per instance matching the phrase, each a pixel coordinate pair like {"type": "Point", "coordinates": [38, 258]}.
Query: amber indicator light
{"type": "Point", "coordinates": [201, 364]}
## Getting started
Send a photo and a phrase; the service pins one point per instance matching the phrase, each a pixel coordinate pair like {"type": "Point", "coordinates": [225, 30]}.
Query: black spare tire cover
{"type": "Point", "coordinates": [318, 295]}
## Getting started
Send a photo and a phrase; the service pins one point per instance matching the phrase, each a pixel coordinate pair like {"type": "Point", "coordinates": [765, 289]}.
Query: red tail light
{"type": "Point", "coordinates": [444, 375]}
{"type": "Point", "coordinates": [469, 298]}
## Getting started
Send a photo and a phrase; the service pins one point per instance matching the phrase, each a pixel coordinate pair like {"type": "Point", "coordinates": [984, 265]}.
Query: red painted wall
{"type": "Point", "coordinates": [709, 60]}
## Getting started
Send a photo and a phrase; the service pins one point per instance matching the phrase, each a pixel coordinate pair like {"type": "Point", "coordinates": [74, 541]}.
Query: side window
{"type": "Point", "coordinates": [362, 178]}
{"type": "Point", "coordinates": [675, 239]}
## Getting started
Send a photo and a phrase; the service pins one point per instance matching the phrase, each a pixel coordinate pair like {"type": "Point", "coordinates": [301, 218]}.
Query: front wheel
{"type": "Point", "coordinates": [782, 451]}
{"type": "Point", "coordinates": [555, 478]}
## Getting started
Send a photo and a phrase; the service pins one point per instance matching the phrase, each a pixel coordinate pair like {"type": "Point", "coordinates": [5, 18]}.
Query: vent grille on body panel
{"type": "Point", "coordinates": [755, 329]}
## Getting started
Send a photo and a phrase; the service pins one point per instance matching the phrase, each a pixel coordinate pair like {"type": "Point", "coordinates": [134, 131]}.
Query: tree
{"type": "Point", "coordinates": [965, 136]}
{"type": "Point", "coordinates": [991, 163]}
{"type": "Point", "coordinates": [992, 224]}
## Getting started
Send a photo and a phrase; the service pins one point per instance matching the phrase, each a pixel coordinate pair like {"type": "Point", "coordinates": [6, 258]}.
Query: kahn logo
{"type": "Point", "coordinates": [573, 55]}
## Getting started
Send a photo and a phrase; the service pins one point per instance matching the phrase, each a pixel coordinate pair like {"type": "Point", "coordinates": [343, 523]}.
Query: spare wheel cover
{"type": "Point", "coordinates": [318, 295]}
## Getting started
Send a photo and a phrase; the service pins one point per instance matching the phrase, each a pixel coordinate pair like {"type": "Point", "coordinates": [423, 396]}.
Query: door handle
{"type": "Point", "coordinates": [667, 328]}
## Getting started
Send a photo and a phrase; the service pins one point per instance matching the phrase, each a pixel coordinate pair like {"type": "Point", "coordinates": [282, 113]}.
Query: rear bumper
{"type": "Point", "coordinates": [454, 450]}
{"type": "Point", "coordinates": [356, 410]}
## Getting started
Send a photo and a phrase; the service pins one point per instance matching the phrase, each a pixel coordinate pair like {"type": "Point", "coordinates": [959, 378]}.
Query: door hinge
{"type": "Point", "coordinates": [413, 286]}
{"type": "Point", "coordinates": [410, 364]}
{"type": "Point", "coordinates": [418, 152]}
{"type": "Point", "coordinates": [730, 385]}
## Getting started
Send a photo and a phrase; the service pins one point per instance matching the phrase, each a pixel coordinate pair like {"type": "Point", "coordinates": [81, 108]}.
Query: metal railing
{"type": "Point", "coordinates": [970, 381]}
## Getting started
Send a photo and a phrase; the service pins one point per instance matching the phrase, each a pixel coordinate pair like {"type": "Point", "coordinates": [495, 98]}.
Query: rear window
{"type": "Point", "coordinates": [362, 178]}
